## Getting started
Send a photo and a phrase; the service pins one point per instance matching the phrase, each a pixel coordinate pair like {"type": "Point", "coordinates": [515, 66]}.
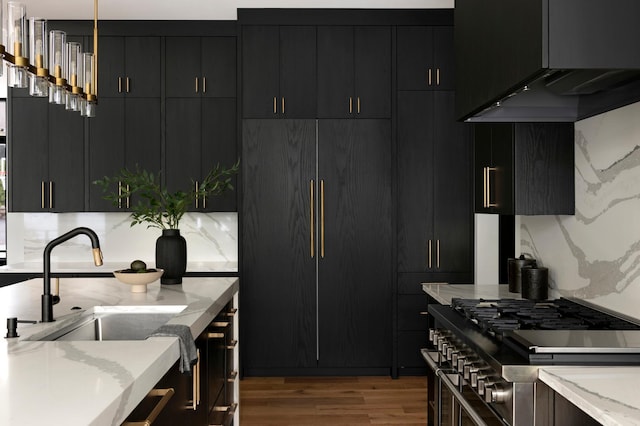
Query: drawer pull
{"type": "Point", "coordinates": [425, 313]}
{"type": "Point", "coordinates": [232, 376]}
{"type": "Point", "coordinates": [229, 409]}
{"type": "Point", "coordinates": [221, 324]}
{"type": "Point", "coordinates": [232, 345]}
{"type": "Point", "coordinates": [166, 395]}
{"type": "Point", "coordinates": [231, 312]}
{"type": "Point", "coordinates": [215, 335]}
{"type": "Point", "coordinates": [196, 384]}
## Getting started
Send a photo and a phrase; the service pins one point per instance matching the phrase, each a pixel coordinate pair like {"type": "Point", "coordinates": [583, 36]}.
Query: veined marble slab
{"type": "Point", "coordinates": [443, 292]}
{"type": "Point", "coordinates": [608, 394]}
{"type": "Point", "coordinates": [108, 267]}
{"type": "Point", "coordinates": [92, 383]}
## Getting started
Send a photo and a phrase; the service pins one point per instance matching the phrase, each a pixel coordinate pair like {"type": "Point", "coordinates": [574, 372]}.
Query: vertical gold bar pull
{"type": "Point", "coordinates": [195, 390]}
{"type": "Point", "coordinates": [275, 105]}
{"type": "Point", "coordinates": [484, 190]}
{"type": "Point", "coordinates": [437, 76]}
{"type": "Point", "coordinates": [196, 197]}
{"type": "Point", "coordinates": [50, 194]}
{"type": "Point", "coordinates": [429, 77]}
{"type": "Point", "coordinates": [437, 254]}
{"type": "Point", "coordinates": [119, 194]}
{"type": "Point", "coordinates": [204, 84]}
{"type": "Point", "coordinates": [119, 84]}
{"type": "Point", "coordinates": [196, 84]}
{"type": "Point", "coordinates": [128, 197]}
{"type": "Point", "coordinates": [358, 105]}
{"type": "Point", "coordinates": [42, 194]}
{"type": "Point", "coordinates": [311, 219]}
{"type": "Point", "coordinates": [127, 84]}
{"type": "Point", "coordinates": [429, 255]}
{"type": "Point", "coordinates": [350, 105]}
{"type": "Point", "coordinates": [489, 170]}
{"type": "Point", "coordinates": [322, 218]}
{"type": "Point", "coordinates": [283, 104]}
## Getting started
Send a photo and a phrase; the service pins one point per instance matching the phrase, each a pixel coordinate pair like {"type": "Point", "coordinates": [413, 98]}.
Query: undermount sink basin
{"type": "Point", "coordinates": [112, 323]}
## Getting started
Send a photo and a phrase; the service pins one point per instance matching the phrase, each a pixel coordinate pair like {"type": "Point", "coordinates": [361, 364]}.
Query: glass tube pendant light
{"type": "Point", "coordinates": [89, 108]}
{"type": "Point", "coordinates": [58, 66]}
{"type": "Point", "coordinates": [74, 73]}
{"type": "Point", "coordinates": [38, 49]}
{"type": "Point", "coordinates": [17, 44]}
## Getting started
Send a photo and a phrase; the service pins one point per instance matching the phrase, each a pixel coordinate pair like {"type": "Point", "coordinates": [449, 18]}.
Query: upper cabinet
{"type": "Point", "coordinates": [425, 58]}
{"type": "Point", "coordinates": [354, 72]}
{"type": "Point", "coordinates": [207, 67]}
{"type": "Point", "coordinates": [278, 71]}
{"type": "Point", "coordinates": [524, 168]}
{"type": "Point", "coordinates": [129, 66]}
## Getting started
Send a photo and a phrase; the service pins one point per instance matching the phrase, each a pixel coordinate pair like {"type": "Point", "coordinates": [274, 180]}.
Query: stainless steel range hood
{"type": "Point", "coordinates": [545, 60]}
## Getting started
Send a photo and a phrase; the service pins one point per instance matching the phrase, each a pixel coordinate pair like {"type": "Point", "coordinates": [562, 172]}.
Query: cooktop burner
{"type": "Point", "coordinates": [500, 315]}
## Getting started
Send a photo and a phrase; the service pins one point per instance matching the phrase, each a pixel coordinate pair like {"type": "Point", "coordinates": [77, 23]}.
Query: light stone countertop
{"type": "Point", "coordinates": [88, 382]}
{"type": "Point", "coordinates": [608, 394]}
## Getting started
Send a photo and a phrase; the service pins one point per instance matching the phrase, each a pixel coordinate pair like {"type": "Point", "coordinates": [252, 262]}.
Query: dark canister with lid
{"type": "Point", "coordinates": [535, 282]}
{"type": "Point", "coordinates": [515, 275]}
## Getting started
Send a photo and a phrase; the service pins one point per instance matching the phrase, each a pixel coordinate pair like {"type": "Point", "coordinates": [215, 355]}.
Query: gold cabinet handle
{"type": "Point", "coordinates": [128, 85]}
{"type": "Point", "coordinates": [119, 84]}
{"type": "Point", "coordinates": [231, 312]}
{"type": "Point", "coordinates": [50, 194]}
{"type": "Point", "coordinates": [312, 224]}
{"type": "Point", "coordinates": [429, 255]}
{"type": "Point", "coordinates": [275, 104]}
{"type": "Point", "coordinates": [195, 381]}
{"type": "Point", "coordinates": [485, 181]}
{"type": "Point", "coordinates": [437, 76]}
{"type": "Point", "coordinates": [119, 194]}
{"type": "Point", "coordinates": [232, 376]}
{"type": "Point", "coordinates": [232, 345]}
{"type": "Point", "coordinates": [197, 85]}
{"type": "Point", "coordinates": [322, 218]}
{"type": "Point", "coordinates": [204, 84]}
{"type": "Point", "coordinates": [437, 254]}
{"type": "Point", "coordinates": [166, 395]}
{"type": "Point", "coordinates": [283, 104]}
{"type": "Point", "coordinates": [350, 105]}
{"type": "Point", "coordinates": [429, 77]}
{"type": "Point", "coordinates": [230, 409]}
{"type": "Point", "coordinates": [424, 313]}
{"type": "Point", "coordinates": [42, 194]}
{"type": "Point", "coordinates": [215, 335]}
{"type": "Point", "coordinates": [128, 197]}
{"type": "Point", "coordinates": [196, 197]}
{"type": "Point", "coordinates": [358, 107]}
{"type": "Point", "coordinates": [488, 186]}
{"type": "Point", "coordinates": [220, 324]}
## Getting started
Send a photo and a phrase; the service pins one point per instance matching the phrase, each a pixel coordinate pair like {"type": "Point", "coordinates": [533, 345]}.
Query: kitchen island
{"type": "Point", "coordinates": [606, 393]}
{"type": "Point", "coordinates": [92, 382]}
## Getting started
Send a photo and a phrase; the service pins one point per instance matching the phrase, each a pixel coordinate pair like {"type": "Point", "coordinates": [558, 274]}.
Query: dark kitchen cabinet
{"type": "Point", "coordinates": [200, 134]}
{"type": "Point", "coordinates": [354, 72]}
{"type": "Point", "coordinates": [279, 71]}
{"type": "Point", "coordinates": [524, 168]}
{"type": "Point", "coordinates": [435, 213]}
{"type": "Point", "coordinates": [124, 134]}
{"type": "Point", "coordinates": [425, 58]}
{"type": "Point", "coordinates": [311, 263]}
{"type": "Point", "coordinates": [129, 66]}
{"type": "Point", "coordinates": [46, 161]}
{"type": "Point", "coordinates": [207, 67]}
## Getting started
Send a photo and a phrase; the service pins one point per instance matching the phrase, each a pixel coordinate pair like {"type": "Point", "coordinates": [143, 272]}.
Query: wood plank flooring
{"type": "Point", "coordinates": [333, 401]}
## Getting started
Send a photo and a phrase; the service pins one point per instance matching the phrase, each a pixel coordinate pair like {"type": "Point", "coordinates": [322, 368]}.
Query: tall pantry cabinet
{"type": "Point", "coordinates": [316, 222]}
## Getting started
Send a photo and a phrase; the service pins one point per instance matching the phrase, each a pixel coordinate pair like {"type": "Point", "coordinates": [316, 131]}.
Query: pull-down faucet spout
{"type": "Point", "coordinates": [47, 298]}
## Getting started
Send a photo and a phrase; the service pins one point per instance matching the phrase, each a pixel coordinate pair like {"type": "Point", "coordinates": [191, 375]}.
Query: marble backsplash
{"type": "Point", "coordinates": [595, 255]}
{"type": "Point", "coordinates": [211, 237]}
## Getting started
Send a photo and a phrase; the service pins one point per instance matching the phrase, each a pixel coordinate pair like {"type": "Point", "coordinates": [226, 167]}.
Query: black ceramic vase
{"type": "Point", "coordinates": [171, 255]}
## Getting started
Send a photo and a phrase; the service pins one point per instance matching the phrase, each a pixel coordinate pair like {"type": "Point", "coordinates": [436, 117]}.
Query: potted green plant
{"type": "Point", "coordinates": [156, 206]}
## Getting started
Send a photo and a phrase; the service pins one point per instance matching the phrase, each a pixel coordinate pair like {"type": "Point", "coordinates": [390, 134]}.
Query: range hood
{"type": "Point", "coordinates": [545, 60]}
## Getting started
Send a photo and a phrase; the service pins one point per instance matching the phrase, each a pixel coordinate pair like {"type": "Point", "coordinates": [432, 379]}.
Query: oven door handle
{"type": "Point", "coordinates": [444, 377]}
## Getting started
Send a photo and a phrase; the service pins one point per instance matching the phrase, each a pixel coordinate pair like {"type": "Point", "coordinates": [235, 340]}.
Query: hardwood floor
{"type": "Point", "coordinates": [333, 401]}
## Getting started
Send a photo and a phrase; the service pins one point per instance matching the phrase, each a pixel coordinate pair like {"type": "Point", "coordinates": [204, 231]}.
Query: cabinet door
{"type": "Point", "coordinates": [66, 160]}
{"type": "Point", "coordinates": [183, 146]}
{"type": "Point", "coordinates": [279, 293]}
{"type": "Point", "coordinates": [444, 58]}
{"type": "Point", "coordinates": [482, 160]}
{"type": "Point", "coordinates": [219, 147]}
{"type": "Point", "coordinates": [452, 200]}
{"type": "Point", "coordinates": [298, 71]}
{"type": "Point", "coordinates": [336, 98]}
{"type": "Point", "coordinates": [142, 66]}
{"type": "Point", "coordinates": [354, 269]}
{"type": "Point", "coordinates": [218, 60]}
{"type": "Point", "coordinates": [111, 67]}
{"type": "Point", "coordinates": [106, 150]}
{"type": "Point", "coordinates": [142, 134]}
{"type": "Point", "coordinates": [415, 57]}
{"type": "Point", "coordinates": [372, 58]}
{"type": "Point", "coordinates": [416, 244]}
{"type": "Point", "coordinates": [260, 62]}
{"type": "Point", "coordinates": [28, 155]}
{"type": "Point", "coordinates": [501, 177]}
{"type": "Point", "coordinates": [183, 67]}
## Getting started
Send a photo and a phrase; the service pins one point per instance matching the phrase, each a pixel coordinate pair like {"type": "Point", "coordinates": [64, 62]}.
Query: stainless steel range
{"type": "Point", "coordinates": [486, 355]}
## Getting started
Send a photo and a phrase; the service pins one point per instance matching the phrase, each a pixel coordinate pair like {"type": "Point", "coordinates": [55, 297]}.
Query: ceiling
{"type": "Point", "coordinates": [202, 9]}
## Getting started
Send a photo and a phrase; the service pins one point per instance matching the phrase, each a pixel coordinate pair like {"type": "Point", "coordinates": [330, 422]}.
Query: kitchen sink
{"type": "Point", "coordinates": [112, 323]}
